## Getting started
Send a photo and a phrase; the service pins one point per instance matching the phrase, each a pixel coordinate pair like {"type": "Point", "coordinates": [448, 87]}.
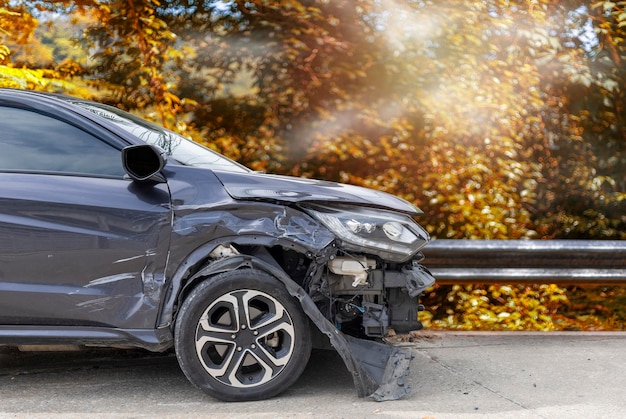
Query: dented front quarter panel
{"type": "Point", "coordinates": [205, 216]}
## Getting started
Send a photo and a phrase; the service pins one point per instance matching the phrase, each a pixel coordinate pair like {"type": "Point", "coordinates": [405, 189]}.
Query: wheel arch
{"type": "Point", "coordinates": [199, 265]}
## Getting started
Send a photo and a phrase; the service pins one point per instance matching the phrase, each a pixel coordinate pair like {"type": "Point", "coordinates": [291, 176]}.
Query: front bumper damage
{"type": "Point", "coordinates": [377, 295]}
{"type": "Point", "coordinates": [379, 371]}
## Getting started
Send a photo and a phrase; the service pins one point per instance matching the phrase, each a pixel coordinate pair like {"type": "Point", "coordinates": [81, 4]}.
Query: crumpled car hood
{"type": "Point", "coordinates": [259, 186]}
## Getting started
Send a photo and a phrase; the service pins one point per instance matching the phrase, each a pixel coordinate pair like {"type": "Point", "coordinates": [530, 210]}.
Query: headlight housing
{"type": "Point", "coordinates": [390, 235]}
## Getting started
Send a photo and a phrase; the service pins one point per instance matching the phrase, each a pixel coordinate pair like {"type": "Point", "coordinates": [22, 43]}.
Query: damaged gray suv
{"type": "Point", "coordinates": [117, 232]}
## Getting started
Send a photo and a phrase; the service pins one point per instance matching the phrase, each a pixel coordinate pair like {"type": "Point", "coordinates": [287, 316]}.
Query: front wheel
{"type": "Point", "coordinates": [240, 336]}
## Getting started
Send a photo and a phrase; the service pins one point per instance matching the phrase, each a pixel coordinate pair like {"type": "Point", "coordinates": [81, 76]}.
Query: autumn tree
{"type": "Point", "coordinates": [18, 42]}
{"type": "Point", "coordinates": [299, 60]}
{"type": "Point", "coordinates": [16, 27]}
{"type": "Point", "coordinates": [583, 156]}
{"type": "Point", "coordinates": [135, 55]}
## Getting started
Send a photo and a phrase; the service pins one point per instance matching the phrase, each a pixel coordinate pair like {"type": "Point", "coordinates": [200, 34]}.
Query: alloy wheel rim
{"type": "Point", "coordinates": [245, 338]}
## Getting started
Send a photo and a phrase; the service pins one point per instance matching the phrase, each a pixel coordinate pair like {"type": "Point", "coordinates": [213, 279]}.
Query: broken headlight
{"type": "Point", "coordinates": [391, 235]}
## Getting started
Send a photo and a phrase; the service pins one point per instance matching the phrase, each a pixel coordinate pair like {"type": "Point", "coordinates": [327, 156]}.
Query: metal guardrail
{"type": "Point", "coordinates": [564, 262]}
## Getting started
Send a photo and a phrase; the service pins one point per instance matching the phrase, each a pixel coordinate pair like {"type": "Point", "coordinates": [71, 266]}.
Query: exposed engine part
{"type": "Point", "coordinates": [403, 310]}
{"type": "Point", "coordinates": [342, 284]}
{"type": "Point", "coordinates": [347, 311]}
{"type": "Point", "coordinates": [356, 267]}
{"type": "Point", "coordinates": [375, 319]}
{"type": "Point", "coordinates": [388, 298]}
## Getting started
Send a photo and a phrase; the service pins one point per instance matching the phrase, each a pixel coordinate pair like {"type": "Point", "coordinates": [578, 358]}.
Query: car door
{"type": "Point", "coordinates": [80, 244]}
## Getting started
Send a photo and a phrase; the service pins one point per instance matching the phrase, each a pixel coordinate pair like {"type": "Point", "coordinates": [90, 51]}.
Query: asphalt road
{"type": "Point", "coordinates": [475, 375]}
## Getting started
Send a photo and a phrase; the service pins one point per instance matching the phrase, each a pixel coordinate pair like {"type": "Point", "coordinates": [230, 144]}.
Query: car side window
{"type": "Point", "coordinates": [32, 142]}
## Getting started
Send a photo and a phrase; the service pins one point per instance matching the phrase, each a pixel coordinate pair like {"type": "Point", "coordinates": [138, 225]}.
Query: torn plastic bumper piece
{"type": "Point", "coordinates": [379, 371]}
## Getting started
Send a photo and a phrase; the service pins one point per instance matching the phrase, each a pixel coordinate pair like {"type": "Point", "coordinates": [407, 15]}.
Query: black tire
{"type": "Point", "coordinates": [253, 359]}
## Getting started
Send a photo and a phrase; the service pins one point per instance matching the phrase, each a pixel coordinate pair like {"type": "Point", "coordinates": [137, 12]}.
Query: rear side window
{"type": "Point", "coordinates": [32, 142]}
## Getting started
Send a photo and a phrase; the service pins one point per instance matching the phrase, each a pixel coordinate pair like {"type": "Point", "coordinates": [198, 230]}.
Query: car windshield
{"type": "Point", "coordinates": [181, 149]}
